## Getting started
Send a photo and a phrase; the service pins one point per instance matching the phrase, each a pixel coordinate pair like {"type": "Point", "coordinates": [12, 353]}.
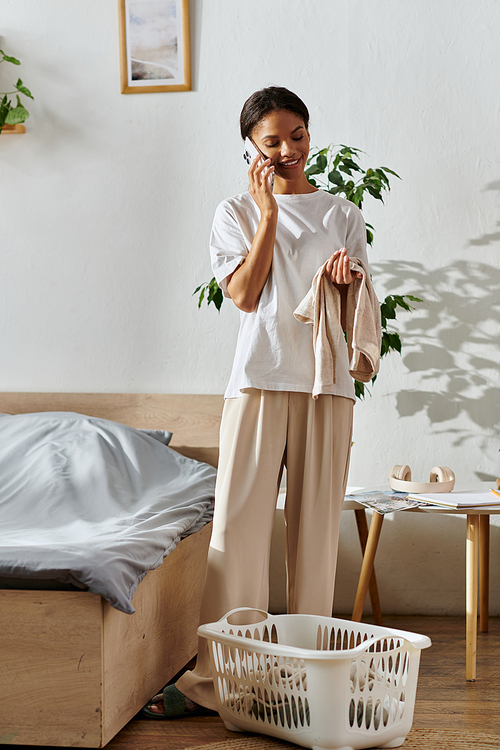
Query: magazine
{"type": "Point", "coordinates": [386, 502]}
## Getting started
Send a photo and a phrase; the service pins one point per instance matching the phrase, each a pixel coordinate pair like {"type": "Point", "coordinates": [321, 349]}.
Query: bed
{"type": "Point", "coordinates": [83, 667]}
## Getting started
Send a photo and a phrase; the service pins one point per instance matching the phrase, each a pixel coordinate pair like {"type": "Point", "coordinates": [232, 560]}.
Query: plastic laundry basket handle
{"type": "Point", "coordinates": [239, 610]}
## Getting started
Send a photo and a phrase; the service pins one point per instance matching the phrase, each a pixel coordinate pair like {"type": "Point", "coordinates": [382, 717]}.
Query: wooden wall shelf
{"type": "Point", "coordinates": [13, 129]}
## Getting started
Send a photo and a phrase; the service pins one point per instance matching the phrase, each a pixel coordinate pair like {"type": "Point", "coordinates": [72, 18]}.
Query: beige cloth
{"type": "Point", "coordinates": [321, 308]}
{"type": "Point", "coordinates": [260, 431]}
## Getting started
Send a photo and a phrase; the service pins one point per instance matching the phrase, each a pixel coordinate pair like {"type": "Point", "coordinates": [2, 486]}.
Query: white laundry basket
{"type": "Point", "coordinates": [319, 682]}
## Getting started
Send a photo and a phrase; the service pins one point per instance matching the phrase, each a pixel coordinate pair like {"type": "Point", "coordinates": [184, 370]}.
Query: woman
{"type": "Point", "coordinates": [266, 247]}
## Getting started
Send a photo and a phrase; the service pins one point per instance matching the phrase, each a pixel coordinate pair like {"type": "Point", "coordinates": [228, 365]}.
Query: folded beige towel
{"type": "Point", "coordinates": [364, 332]}
{"type": "Point", "coordinates": [321, 308]}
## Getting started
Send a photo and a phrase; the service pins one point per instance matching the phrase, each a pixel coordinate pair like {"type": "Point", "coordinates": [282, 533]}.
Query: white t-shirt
{"type": "Point", "coordinates": [274, 351]}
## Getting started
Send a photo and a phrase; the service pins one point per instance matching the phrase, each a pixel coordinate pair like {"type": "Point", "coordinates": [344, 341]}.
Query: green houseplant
{"type": "Point", "coordinates": [336, 169]}
{"type": "Point", "coordinates": [13, 114]}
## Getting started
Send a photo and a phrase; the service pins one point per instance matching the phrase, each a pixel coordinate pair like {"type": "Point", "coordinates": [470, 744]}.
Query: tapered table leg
{"type": "Point", "coordinates": [367, 565]}
{"type": "Point", "coordinates": [472, 544]}
{"type": "Point", "coordinates": [372, 586]}
{"type": "Point", "coordinates": [484, 572]}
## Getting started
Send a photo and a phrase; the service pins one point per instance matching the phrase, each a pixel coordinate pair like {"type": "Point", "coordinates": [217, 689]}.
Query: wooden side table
{"type": "Point", "coordinates": [477, 570]}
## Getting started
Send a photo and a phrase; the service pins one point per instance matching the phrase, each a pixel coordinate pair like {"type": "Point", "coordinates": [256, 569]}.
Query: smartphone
{"type": "Point", "coordinates": [250, 152]}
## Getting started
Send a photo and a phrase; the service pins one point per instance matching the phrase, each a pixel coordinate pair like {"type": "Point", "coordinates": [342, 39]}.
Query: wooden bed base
{"type": "Point", "coordinates": [74, 670]}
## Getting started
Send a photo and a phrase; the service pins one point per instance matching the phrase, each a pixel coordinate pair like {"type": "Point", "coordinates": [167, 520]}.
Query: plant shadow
{"type": "Point", "coordinates": [451, 342]}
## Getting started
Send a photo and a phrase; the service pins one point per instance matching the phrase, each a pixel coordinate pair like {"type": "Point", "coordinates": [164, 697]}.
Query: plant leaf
{"type": "Point", "coordinates": [322, 162]}
{"type": "Point", "coordinates": [345, 169]}
{"type": "Point", "coordinates": [359, 389]}
{"type": "Point", "coordinates": [7, 58]}
{"type": "Point", "coordinates": [212, 292]}
{"type": "Point", "coordinates": [313, 170]}
{"type": "Point", "coordinates": [22, 88]}
{"type": "Point", "coordinates": [335, 177]}
{"type": "Point", "coordinates": [386, 169]}
{"type": "Point", "coordinates": [16, 115]}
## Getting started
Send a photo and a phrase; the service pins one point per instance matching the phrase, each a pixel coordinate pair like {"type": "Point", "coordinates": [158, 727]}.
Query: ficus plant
{"type": "Point", "coordinates": [336, 169]}
{"type": "Point", "coordinates": [13, 114]}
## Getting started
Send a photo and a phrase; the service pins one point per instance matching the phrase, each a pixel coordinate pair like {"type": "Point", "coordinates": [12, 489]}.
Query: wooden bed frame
{"type": "Point", "coordinates": [74, 670]}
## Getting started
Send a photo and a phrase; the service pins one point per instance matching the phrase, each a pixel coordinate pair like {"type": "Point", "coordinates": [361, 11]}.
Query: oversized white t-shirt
{"type": "Point", "coordinates": [274, 351]}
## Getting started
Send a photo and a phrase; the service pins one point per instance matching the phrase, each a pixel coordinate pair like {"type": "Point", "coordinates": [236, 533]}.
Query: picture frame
{"type": "Point", "coordinates": [154, 46]}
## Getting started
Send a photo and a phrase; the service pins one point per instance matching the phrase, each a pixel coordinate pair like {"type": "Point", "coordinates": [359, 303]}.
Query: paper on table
{"type": "Point", "coordinates": [385, 502]}
{"type": "Point", "coordinates": [473, 499]}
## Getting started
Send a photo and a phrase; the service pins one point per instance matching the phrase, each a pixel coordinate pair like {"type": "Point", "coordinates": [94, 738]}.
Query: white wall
{"type": "Point", "coordinates": [106, 205]}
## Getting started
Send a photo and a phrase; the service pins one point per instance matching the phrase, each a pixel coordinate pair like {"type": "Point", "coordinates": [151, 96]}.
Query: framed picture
{"type": "Point", "coordinates": [154, 46]}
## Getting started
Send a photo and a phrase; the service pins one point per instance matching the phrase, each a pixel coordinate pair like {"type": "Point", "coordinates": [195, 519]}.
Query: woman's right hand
{"type": "Point", "coordinates": [260, 186]}
{"type": "Point", "coordinates": [246, 283]}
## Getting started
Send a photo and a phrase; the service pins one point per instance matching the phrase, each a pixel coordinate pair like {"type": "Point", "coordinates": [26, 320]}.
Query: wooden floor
{"type": "Point", "coordinates": [444, 699]}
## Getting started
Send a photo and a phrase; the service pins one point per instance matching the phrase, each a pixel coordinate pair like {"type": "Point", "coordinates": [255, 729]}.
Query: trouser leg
{"type": "Point", "coordinates": [253, 437]}
{"type": "Point", "coordinates": [317, 460]}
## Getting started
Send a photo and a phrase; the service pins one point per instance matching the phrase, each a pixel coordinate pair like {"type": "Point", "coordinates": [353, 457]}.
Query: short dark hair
{"type": "Point", "coordinates": [267, 100]}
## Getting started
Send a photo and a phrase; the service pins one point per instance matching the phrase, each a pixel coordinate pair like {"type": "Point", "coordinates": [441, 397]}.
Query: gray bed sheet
{"type": "Point", "coordinates": [94, 503]}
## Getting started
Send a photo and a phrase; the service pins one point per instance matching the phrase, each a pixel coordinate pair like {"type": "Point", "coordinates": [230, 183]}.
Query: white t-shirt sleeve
{"type": "Point", "coordinates": [228, 246]}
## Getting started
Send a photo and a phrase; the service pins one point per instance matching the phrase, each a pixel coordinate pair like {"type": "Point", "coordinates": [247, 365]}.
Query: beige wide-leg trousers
{"type": "Point", "coordinates": [260, 432]}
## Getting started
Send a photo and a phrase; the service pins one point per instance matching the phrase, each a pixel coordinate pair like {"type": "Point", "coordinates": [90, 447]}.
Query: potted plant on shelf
{"type": "Point", "coordinates": [336, 170]}
{"type": "Point", "coordinates": [12, 115]}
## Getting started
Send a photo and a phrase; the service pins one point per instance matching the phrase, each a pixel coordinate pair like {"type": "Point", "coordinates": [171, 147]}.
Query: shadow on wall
{"type": "Point", "coordinates": [491, 237]}
{"type": "Point", "coordinates": [452, 342]}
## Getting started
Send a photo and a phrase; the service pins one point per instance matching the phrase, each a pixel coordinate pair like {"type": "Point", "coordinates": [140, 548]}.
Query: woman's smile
{"type": "Point", "coordinates": [289, 164]}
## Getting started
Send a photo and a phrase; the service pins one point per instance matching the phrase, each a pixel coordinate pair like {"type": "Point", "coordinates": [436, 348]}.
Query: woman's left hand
{"type": "Point", "coordinates": [338, 268]}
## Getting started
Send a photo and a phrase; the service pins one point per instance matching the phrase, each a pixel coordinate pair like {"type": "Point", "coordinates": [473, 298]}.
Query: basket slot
{"type": "Point", "coordinates": [345, 640]}
{"type": "Point", "coordinates": [386, 709]}
{"type": "Point", "coordinates": [305, 711]}
{"type": "Point", "coordinates": [304, 680]}
{"type": "Point", "coordinates": [406, 666]}
{"type": "Point", "coordinates": [401, 668]}
{"type": "Point", "coordinates": [288, 712]}
{"type": "Point", "coordinates": [402, 702]}
{"type": "Point", "coordinates": [261, 703]}
{"type": "Point", "coordinates": [331, 645]}
{"type": "Point", "coordinates": [338, 640]}
{"type": "Point", "coordinates": [320, 638]}
{"type": "Point", "coordinates": [369, 712]}
{"type": "Point", "coordinates": [326, 639]}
